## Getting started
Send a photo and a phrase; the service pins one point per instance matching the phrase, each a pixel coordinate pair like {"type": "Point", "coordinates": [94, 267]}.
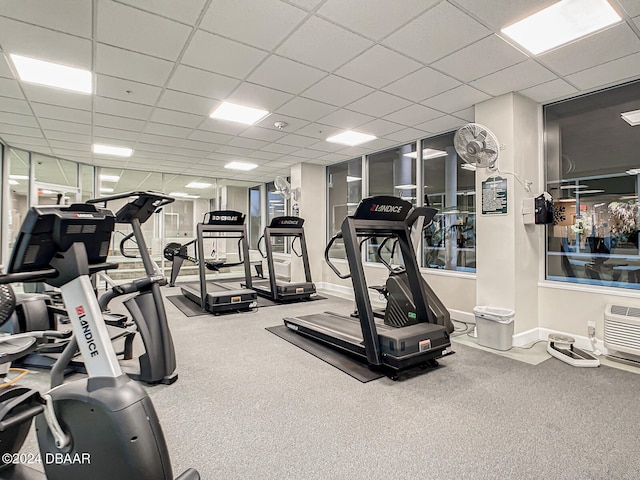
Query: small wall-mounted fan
{"type": "Point", "coordinates": [478, 146]}
{"type": "Point", "coordinates": [283, 187]}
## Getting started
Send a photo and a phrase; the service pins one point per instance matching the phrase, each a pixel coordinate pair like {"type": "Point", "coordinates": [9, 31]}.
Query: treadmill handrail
{"type": "Point", "coordinates": [328, 260]}
{"type": "Point", "coordinates": [262, 254]}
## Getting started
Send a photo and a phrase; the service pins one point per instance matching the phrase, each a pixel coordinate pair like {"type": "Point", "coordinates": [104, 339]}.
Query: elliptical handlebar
{"type": "Point", "coordinates": [328, 260]}
{"type": "Point", "coordinates": [123, 252]}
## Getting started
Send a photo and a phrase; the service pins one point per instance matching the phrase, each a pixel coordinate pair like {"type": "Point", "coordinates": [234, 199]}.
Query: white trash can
{"type": "Point", "coordinates": [494, 327]}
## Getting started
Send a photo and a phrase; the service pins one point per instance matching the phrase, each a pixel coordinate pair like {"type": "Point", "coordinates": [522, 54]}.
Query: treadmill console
{"type": "Point", "coordinates": [47, 230]}
{"type": "Point", "coordinates": [223, 217]}
{"type": "Point", "coordinates": [383, 207]}
{"type": "Point", "coordinates": [287, 222]}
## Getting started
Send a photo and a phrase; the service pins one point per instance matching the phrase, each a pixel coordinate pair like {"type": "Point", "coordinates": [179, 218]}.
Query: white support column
{"type": "Point", "coordinates": [507, 250]}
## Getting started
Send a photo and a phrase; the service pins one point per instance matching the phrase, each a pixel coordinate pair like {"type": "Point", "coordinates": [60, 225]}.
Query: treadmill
{"type": "Point", "coordinates": [271, 288]}
{"type": "Point", "coordinates": [413, 340]}
{"type": "Point", "coordinates": [397, 290]}
{"type": "Point", "coordinates": [217, 297]}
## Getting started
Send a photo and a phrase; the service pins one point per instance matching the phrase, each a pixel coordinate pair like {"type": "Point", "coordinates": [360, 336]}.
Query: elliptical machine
{"type": "Point", "coordinates": [100, 427]}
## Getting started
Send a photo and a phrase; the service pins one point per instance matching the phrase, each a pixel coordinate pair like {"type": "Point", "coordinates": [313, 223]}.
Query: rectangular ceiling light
{"type": "Point", "coordinates": [197, 185]}
{"type": "Point", "coordinates": [106, 190]}
{"type": "Point", "coordinates": [427, 153]}
{"type": "Point", "coordinates": [109, 178]}
{"type": "Point", "coordinates": [238, 113]}
{"type": "Point", "coordinates": [19, 177]}
{"type": "Point", "coordinates": [406, 187]}
{"type": "Point", "coordinates": [353, 179]}
{"type": "Point", "coordinates": [183, 195]}
{"type": "Point", "coordinates": [632, 118]}
{"type": "Point", "coordinates": [633, 171]}
{"type": "Point", "coordinates": [241, 166]}
{"type": "Point", "coordinates": [561, 23]}
{"type": "Point", "coordinates": [52, 74]}
{"type": "Point", "coordinates": [351, 138]}
{"type": "Point", "coordinates": [13, 182]}
{"type": "Point", "coordinates": [111, 150]}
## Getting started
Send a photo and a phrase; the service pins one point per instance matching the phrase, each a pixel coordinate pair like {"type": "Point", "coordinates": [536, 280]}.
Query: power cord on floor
{"type": "Point", "coordinates": [468, 326]}
{"type": "Point", "coordinates": [531, 346]}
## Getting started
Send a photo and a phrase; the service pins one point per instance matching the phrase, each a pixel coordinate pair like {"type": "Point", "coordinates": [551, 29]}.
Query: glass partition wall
{"type": "Point", "coordinates": [344, 192]}
{"type": "Point", "coordinates": [592, 172]}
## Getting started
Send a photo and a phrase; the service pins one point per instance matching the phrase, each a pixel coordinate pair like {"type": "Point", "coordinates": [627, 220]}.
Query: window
{"type": "Point", "coordinates": [19, 192]}
{"type": "Point", "coordinates": [276, 207]}
{"type": "Point", "coordinates": [449, 186]}
{"type": "Point", "coordinates": [392, 172]}
{"type": "Point", "coordinates": [344, 192]}
{"type": "Point", "coordinates": [255, 216]}
{"type": "Point", "coordinates": [592, 168]}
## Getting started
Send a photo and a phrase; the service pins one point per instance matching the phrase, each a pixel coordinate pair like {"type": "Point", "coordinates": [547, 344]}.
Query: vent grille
{"type": "Point", "coordinates": [622, 329]}
{"type": "Point", "coordinates": [104, 249]}
{"type": "Point", "coordinates": [32, 254]}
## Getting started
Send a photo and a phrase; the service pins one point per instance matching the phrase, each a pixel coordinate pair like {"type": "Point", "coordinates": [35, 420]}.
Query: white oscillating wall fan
{"type": "Point", "coordinates": [283, 187]}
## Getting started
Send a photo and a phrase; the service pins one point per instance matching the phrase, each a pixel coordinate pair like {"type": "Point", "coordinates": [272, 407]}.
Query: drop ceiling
{"type": "Point", "coordinates": [401, 70]}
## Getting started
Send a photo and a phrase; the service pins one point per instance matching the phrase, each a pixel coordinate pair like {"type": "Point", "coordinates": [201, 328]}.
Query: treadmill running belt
{"type": "Point", "coordinates": [349, 365]}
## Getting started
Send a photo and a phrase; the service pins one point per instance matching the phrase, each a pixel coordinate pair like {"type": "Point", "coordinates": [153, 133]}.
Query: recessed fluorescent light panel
{"type": "Point", "coordinates": [240, 166]}
{"type": "Point", "coordinates": [238, 113]}
{"type": "Point", "coordinates": [109, 178]}
{"type": "Point", "coordinates": [561, 23]}
{"type": "Point", "coordinates": [111, 150]}
{"type": "Point", "coordinates": [353, 179]}
{"type": "Point", "coordinates": [632, 118]}
{"type": "Point", "coordinates": [573, 187]}
{"type": "Point", "coordinates": [106, 190]}
{"type": "Point", "coordinates": [406, 187]}
{"type": "Point", "coordinates": [351, 138]}
{"type": "Point", "coordinates": [52, 74]}
{"type": "Point", "coordinates": [183, 195]}
{"type": "Point", "coordinates": [582, 192]}
{"type": "Point", "coordinates": [427, 153]}
{"type": "Point", "coordinates": [19, 177]}
{"type": "Point", "coordinates": [198, 185]}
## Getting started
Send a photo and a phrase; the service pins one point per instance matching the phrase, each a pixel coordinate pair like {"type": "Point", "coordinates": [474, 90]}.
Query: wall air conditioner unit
{"type": "Point", "coordinates": [622, 332]}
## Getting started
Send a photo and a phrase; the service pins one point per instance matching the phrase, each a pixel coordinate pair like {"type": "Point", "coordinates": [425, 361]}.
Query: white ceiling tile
{"type": "Point", "coordinates": [171, 117]}
{"type": "Point", "coordinates": [413, 115]}
{"type": "Point", "coordinates": [10, 88]}
{"type": "Point", "coordinates": [511, 79]}
{"type": "Point", "coordinates": [265, 134]}
{"type": "Point", "coordinates": [380, 144]}
{"type": "Point", "coordinates": [612, 43]}
{"type": "Point", "coordinates": [54, 96]}
{"type": "Point", "coordinates": [117, 62]}
{"type": "Point", "coordinates": [324, 146]}
{"type": "Point", "coordinates": [333, 158]}
{"type": "Point", "coordinates": [133, 29]}
{"type": "Point", "coordinates": [466, 114]}
{"type": "Point", "coordinates": [26, 143]}
{"type": "Point", "coordinates": [298, 140]}
{"type": "Point", "coordinates": [458, 98]}
{"type": "Point", "coordinates": [59, 113]}
{"type": "Point", "coordinates": [446, 123]}
{"type": "Point", "coordinates": [247, 143]}
{"type": "Point", "coordinates": [68, 137]}
{"type": "Point", "coordinates": [198, 82]}
{"type": "Point", "coordinates": [262, 155]}
{"type": "Point", "coordinates": [378, 104]}
{"type": "Point", "coordinates": [17, 119]}
{"type": "Point", "coordinates": [322, 44]}
{"type": "Point", "coordinates": [422, 84]}
{"type": "Point", "coordinates": [502, 14]}
{"type": "Point", "coordinates": [112, 121]}
{"type": "Point", "coordinates": [68, 16]}
{"type": "Point", "coordinates": [222, 126]}
{"type": "Point", "coordinates": [186, 11]}
{"type": "Point", "coordinates": [335, 90]}
{"type": "Point", "coordinates": [309, 153]}
{"type": "Point", "coordinates": [167, 130]}
{"type": "Point", "coordinates": [304, 108]}
{"type": "Point", "coordinates": [209, 137]}
{"type": "Point", "coordinates": [257, 96]}
{"type": "Point", "coordinates": [261, 24]}
{"type": "Point", "coordinates": [121, 109]}
{"type": "Point", "coordinates": [236, 151]}
{"type": "Point", "coordinates": [44, 44]}
{"type": "Point", "coordinates": [197, 145]}
{"type": "Point", "coordinates": [406, 135]}
{"type": "Point", "coordinates": [159, 141]}
{"type": "Point", "coordinates": [11, 129]}
{"type": "Point", "coordinates": [279, 148]}
{"type": "Point", "coordinates": [184, 102]}
{"type": "Point", "coordinates": [286, 75]}
{"type": "Point", "coordinates": [62, 126]}
{"type": "Point", "coordinates": [345, 119]}
{"type": "Point", "coordinates": [378, 66]}
{"type": "Point", "coordinates": [317, 130]}
{"type": "Point", "coordinates": [546, 92]}
{"type": "Point", "coordinates": [293, 124]}
{"type": "Point", "coordinates": [605, 74]}
{"type": "Point", "coordinates": [114, 133]}
{"type": "Point", "coordinates": [5, 71]}
{"type": "Point", "coordinates": [431, 36]}
{"type": "Point", "coordinates": [632, 7]}
{"type": "Point", "coordinates": [76, 148]}
{"type": "Point", "coordinates": [220, 55]}
{"type": "Point", "coordinates": [479, 59]}
{"type": "Point", "coordinates": [306, 4]}
{"type": "Point", "coordinates": [126, 90]}
{"type": "Point", "coordinates": [380, 127]}
{"type": "Point", "coordinates": [373, 18]}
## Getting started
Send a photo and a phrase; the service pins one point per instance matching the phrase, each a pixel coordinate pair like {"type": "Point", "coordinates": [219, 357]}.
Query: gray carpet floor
{"type": "Point", "coordinates": [248, 404]}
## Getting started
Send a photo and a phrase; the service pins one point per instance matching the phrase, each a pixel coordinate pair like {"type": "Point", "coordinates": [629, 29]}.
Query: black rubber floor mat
{"type": "Point", "coordinates": [349, 365]}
